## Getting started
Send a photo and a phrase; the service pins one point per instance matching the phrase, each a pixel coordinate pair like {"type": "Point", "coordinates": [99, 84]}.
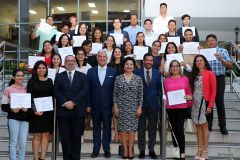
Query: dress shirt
{"type": "Point", "coordinates": [160, 24]}
{"type": "Point", "coordinates": [132, 32]}
{"type": "Point", "coordinates": [145, 73]}
{"type": "Point", "coordinates": [102, 73]}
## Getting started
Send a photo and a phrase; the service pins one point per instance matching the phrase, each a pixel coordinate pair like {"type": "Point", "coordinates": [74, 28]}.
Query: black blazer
{"type": "Point", "coordinates": [76, 93]}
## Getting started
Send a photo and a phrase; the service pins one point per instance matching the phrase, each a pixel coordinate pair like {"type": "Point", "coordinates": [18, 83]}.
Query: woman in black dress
{"type": "Point", "coordinates": [41, 123]}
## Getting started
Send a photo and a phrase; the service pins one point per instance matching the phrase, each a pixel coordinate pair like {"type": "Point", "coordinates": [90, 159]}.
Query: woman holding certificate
{"type": "Point", "coordinates": [41, 122]}
{"type": "Point", "coordinates": [18, 116]}
{"type": "Point", "coordinates": [82, 65]}
{"type": "Point", "coordinates": [109, 45]}
{"type": "Point", "coordinates": [128, 99]}
{"type": "Point", "coordinates": [64, 41]}
{"type": "Point", "coordinates": [178, 100]}
{"type": "Point", "coordinates": [204, 93]}
{"type": "Point", "coordinates": [156, 46]}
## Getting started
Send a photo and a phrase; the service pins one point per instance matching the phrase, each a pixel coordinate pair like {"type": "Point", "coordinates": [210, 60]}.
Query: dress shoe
{"type": "Point", "coordinates": [120, 150]}
{"type": "Point", "coordinates": [224, 131]}
{"type": "Point", "coordinates": [124, 157]}
{"type": "Point", "coordinates": [153, 155]}
{"type": "Point", "coordinates": [131, 157]}
{"type": "Point", "coordinates": [141, 155]}
{"type": "Point", "coordinates": [94, 154]}
{"type": "Point", "coordinates": [107, 154]}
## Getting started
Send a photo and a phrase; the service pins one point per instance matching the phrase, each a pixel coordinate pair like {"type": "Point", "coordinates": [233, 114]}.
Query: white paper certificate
{"type": "Point", "coordinates": [52, 73]}
{"type": "Point", "coordinates": [209, 53]}
{"type": "Point", "coordinates": [65, 51]}
{"type": "Point", "coordinates": [192, 28]}
{"type": "Point", "coordinates": [78, 40]}
{"type": "Point", "coordinates": [20, 100]}
{"type": "Point", "coordinates": [190, 48]}
{"type": "Point", "coordinates": [149, 40]}
{"type": "Point", "coordinates": [96, 47]}
{"type": "Point", "coordinates": [118, 38]}
{"type": "Point", "coordinates": [43, 104]}
{"type": "Point", "coordinates": [140, 51]}
{"type": "Point", "coordinates": [58, 35]}
{"type": "Point", "coordinates": [33, 59]}
{"type": "Point", "coordinates": [163, 47]}
{"type": "Point", "coordinates": [176, 40]}
{"type": "Point", "coordinates": [174, 56]}
{"type": "Point", "coordinates": [176, 97]}
{"type": "Point", "coordinates": [45, 28]}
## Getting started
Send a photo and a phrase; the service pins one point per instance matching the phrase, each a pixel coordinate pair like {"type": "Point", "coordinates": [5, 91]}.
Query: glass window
{"type": "Point", "coordinates": [9, 11]}
{"type": "Point", "coordinates": [37, 10]}
{"type": "Point", "coordinates": [9, 33]}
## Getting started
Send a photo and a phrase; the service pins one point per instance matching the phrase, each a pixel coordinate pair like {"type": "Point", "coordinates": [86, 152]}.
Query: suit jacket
{"type": "Point", "coordinates": [153, 93]}
{"type": "Point", "coordinates": [101, 97]}
{"type": "Point", "coordinates": [76, 93]}
{"type": "Point", "coordinates": [125, 34]}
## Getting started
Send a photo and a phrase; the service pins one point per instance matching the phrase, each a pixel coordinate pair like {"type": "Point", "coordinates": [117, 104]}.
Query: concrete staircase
{"type": "Point", "coordinates": [220, 147]}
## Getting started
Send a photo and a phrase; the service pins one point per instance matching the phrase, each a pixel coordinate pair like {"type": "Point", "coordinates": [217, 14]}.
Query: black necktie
{"type": "Point", "coordinates": [148, 78]}
{"type": "Point", "coordinates": [70, 78]}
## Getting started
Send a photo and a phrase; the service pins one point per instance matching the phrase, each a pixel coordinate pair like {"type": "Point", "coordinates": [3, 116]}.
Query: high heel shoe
{"type": "Point", "coordinates": [204, 155]}
{"type": "Point", "coordinates": [198, 155]}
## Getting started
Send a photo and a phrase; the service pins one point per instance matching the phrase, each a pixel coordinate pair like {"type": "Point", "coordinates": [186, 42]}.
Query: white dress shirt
{"type": "Point", "coordinates": [102, 73]}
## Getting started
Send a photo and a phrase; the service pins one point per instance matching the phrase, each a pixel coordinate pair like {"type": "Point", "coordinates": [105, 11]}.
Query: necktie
{"type": "Point", "coordinates": [148, 78]}
{"type": "Point", "coordinates": [70, 78]}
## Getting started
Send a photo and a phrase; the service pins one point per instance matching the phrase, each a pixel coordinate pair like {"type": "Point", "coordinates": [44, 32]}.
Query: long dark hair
{"type": "Point", "coordinates": [112, 61]}
{"type": "Point", "coordinates": [166, 50]}
{"type": "Point", "coordinates": [144, 43]}
{"type": "Point", "coordinates": [51, 65]}
{"type": "Point", "coordinates": [93, 38]}
{"type": "Point", "coordinates": [87, 34]}
{"type": "Point", "coordinates": [43, 51]}
{"type": "Point", "coordinates": [14, 73]}
{"type": "Point", "coordinates": [124, 46]}
{"type": "Point", "coordinates": [195, 70]}
{"type": "Point", "coordinates": [60, 40]}
{"type": "Point", "coordinates": [114, 42]}
{"type": "Point", "coordinates": [37, 64]}
{"type": "Point", "coordinates": [85, 59]}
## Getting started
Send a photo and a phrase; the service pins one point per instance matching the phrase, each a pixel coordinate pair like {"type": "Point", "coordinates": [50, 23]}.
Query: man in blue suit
{"type": "Point", "coordinates": [70, 90]}
{"type": "Point", "coordinates": [100, 82]}
{"type": "Point", "coordinates": [117, 23]}
{"type": "Point", "coordinates": [152, 93]}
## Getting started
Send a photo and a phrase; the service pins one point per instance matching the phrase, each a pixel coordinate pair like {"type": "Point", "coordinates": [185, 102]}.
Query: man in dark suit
{"type": "Point", "coordinates": [71, 90]}
{"type": "Point", "coordinates": [117, 23]}
{"type": "Point", "coordinates": [152, 93]}
{"type": "Point", "coordinates": [100, 82]}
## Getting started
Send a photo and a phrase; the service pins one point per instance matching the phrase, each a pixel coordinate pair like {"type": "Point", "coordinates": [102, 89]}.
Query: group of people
{"type": "Point", "coordinates": [112, 85]}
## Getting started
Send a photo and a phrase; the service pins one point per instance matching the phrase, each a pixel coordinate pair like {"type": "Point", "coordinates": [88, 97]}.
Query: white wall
{"type": "Point", "coordinates": [195, 8]}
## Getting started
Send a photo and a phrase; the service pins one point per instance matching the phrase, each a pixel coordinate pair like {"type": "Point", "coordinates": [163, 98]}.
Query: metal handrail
{"type": "Point", "coordinates": [232, 74]}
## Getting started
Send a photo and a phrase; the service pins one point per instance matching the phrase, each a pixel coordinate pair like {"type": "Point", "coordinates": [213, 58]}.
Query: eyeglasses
{"type": "Point", "coordinates": [73, 61]}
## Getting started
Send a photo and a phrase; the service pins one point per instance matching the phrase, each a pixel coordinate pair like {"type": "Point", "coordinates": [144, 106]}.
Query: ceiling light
{"type": "Point", "coordinates": [91, 5]}
{"type": "Point", "coordinates": [60, 8]}
{"type": "Point", "coordinates": [94, 11]}
{"type": "Point", "coordinates": [32, 12]}
{"type": "Point", "coordinates": [126, 10]}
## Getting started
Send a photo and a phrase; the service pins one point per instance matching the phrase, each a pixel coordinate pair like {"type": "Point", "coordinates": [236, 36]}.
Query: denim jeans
{"type": "Point", "coordinates": [18, 132]}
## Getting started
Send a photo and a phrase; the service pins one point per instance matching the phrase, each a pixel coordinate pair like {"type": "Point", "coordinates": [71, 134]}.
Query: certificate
{"type": "Point", "coordinates": [190, 47]}
{"type": "Point", "coordinates": [58, 35]}
{"type": "Point", "coordinates": [52, 73]}
{"type": "Point", "coordinates": [43, 104]}
{"type": "Point", "coordinates": [96, 47]}
{"type": "Point", "coordinates": [76, 29]}
{"type": "Point", "coordinates": [45, 28]}
{"type": "Point", "coordinates": [118, 38]}
{"type": "Point", "coordinates": [174, 56]}
{"type": "Point", "coordinates": [176, 97]}
{"type": "Point", "coordinates": [150, 40]}
{"type": "Point", "coordinates": [20, 100]}
{"type": "Point", "coordinates": [33, 59]}
{"type": "Point", "coordinates": [163, 47]}
{"type": "Point", "coordinates": [78, 40]}
{"type": "Point", "coordinates": [176, 40]}
{"type": "Point", "coordinates": [65, 51]}
{"type": "Point", "coordinates": [192, 28]}
{"type": "Point", "coordinates": [140, 51]}
{"type": "Point", "coordinates": [209, 53]}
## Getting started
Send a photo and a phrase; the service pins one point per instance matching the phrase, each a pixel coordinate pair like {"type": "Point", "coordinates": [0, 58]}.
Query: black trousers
{"type": "Point", "coordinates": [219, 103]}
{"type": "Point", "coordinates": [177, 118]}
{"type": "Point", "coordinates": [70, 130]}
{"type": "Point", "coordinates": [148, 118]}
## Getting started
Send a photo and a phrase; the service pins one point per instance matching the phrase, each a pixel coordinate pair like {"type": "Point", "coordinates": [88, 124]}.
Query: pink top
{"type": "Point", "coordinates": [6, 97]}
{"type": "Point", "coordinates": [173, 84]}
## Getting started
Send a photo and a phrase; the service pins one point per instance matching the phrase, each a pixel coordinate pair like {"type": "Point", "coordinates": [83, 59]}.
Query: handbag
{"type": "Point", "coordinates": [171, 151]}
{"type": "Point", "coordinates": [189, 126]}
